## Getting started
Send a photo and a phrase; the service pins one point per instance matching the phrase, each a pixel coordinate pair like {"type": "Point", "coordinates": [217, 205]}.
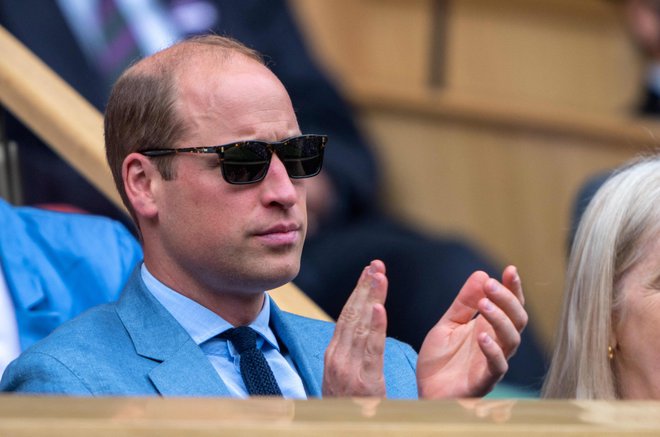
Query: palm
{"type": "Point", "coordinates": [466, 352]}
{"type": "Point", "coordinates": [451, 363]}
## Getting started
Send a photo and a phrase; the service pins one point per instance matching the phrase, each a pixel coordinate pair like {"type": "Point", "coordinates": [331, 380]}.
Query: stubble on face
{"type": "Point", "coordinates": [221, 238]}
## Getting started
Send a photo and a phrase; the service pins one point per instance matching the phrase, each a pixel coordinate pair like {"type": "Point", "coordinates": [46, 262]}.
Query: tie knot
{"type": "Point", "coordinates": [243, 338]}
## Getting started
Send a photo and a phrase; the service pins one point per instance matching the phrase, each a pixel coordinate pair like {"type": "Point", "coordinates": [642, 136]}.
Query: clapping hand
{"type": "Point", "coordinates": [464, 355]}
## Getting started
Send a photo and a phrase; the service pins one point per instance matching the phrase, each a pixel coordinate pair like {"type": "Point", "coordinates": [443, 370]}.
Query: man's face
{"type": "Point", "coordinates": [220, 237]}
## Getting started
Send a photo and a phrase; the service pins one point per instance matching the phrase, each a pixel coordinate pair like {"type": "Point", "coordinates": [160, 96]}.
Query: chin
{"type": "Point", "coordinates": [282, 275]}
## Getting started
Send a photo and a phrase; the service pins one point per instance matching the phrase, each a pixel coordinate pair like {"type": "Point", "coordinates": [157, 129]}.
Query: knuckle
{"type": "Point", "coordinates": [362, 331]}
{"type": "Point", "coordinates": [369, 385]}
{"type": "Point", "coordinates": [513, 345]}
{"type": "Point", "coordinates": [349, 315]}
{"type": "Point", "coordinates": [374, 351]}
{"type": "Point", "coordinates": [330, 362]}
{"type": "Point", "coordinates": [342, 375]}
{"type": "Point", "coordinates": [329, 354]}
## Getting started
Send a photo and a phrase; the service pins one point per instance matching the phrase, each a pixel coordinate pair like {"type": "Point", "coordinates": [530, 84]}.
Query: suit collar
{"type": "Point", "coordinates": [305, 349]}
{"type": "Point", "coordinates": [184, 370]}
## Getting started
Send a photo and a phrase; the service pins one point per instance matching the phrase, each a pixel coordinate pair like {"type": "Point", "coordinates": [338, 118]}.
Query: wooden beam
{"type": "Point", "coordinates": [364, 417]}
{"type": "Point", "coordinates": [55, 112]}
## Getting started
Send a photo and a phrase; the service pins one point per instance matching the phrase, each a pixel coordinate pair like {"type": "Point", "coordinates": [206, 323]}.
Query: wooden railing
{"type": "Point", "coordinates": [55, 112]}
{"type": "Point", "coordinates": [73, 417]}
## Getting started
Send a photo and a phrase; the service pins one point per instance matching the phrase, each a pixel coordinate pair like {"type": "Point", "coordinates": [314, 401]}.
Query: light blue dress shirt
{"type": "Point", "coordinates": [203, 326]}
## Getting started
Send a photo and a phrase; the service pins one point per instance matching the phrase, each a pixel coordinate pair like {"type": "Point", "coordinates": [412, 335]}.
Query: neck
{"type": "Point", "coordinates": [236, 307]}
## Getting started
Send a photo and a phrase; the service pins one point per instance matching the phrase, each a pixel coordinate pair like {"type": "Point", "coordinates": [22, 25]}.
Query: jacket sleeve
{"type": "Point", "coordinates": [39, 373]}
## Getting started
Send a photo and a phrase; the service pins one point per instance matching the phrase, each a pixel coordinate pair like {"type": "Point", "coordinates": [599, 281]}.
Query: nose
{"type": "Point", "coordinates": [278, 188]}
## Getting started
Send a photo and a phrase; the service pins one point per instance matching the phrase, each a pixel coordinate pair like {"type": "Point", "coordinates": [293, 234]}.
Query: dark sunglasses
{"type": "Point", "coordinates": [247, 162]}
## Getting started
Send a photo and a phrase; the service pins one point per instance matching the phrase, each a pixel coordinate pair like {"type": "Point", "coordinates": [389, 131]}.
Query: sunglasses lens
{"type": "Point", "coordinates": [246, 163]}
{"type": "Point", "coordinates": [302, 156]}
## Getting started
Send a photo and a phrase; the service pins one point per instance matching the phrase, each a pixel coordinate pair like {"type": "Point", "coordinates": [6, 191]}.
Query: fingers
{"type": "Point", "coordinates": [505, 314]}
{"type": "Point", "coordinates": [511, 280]}
{"type": "Point", "coordinates": [375, 345]}
{"type": "Point", "coordinates": [509, 298]}
{"type": "Point", "coordinates": [354, 358]}
{"type": "Point", "coordinates": [495, 359]}
{"type": "Point", "coordinates": [464, 307]}
{"type": "Point", "coordinates": [502, 309]}
{"type": "Point", "coordinates": [508, 302]}
{"type": "Point", "coordinates": [462, 347]}
{"type": "Point", "coordinates": [354, 322]}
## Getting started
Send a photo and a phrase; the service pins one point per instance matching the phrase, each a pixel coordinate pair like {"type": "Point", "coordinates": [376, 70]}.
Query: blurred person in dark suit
{"type": "Point", "coordinates": [643, 22]}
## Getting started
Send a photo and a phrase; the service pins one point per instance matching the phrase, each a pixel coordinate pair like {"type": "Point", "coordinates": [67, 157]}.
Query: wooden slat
{"type": "Point", "coordinates": [55, 112]}
{"type": "Point", "coordinates": [606, 129]}
{"type": "Point", "coordinates": [73, 417]}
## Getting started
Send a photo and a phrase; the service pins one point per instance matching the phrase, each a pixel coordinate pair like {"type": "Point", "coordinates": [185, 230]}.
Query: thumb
{"type": "Point", "coordinates": [464, 307]}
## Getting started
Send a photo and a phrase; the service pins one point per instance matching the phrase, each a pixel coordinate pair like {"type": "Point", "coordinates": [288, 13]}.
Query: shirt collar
{"type": "Point", "coordinates": [201, 323]}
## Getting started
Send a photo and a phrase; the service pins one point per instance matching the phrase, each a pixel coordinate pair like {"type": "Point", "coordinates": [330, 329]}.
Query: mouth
{"type": "Point", "coordinates": [283, 234]}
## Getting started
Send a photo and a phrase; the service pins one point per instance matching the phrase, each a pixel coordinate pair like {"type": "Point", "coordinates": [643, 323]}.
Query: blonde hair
{"type": "Point", "coordinates": [609, 241]}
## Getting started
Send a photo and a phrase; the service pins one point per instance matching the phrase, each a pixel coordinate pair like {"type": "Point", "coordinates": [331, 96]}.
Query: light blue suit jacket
{"type": "Point", "coordinates": [58, 265]}
{"type": "Point", "coordinates": [135, 347]}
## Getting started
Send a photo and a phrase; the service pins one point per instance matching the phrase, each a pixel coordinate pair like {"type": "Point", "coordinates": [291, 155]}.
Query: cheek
{"type": "Point", "coordinates": [301, 189]}
{"type": "Point", "coordinates": [640, 323]}
{"type": "Point", "coordinates": [198, 207]}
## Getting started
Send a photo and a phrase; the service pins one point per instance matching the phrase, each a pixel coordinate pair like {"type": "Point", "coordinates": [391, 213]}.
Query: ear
{"type": "Point", "coordinates": [141, 180]}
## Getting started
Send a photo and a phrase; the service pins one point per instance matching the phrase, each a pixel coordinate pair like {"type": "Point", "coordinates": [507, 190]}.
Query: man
{"type": "Point", "coordinates": [221, 224]}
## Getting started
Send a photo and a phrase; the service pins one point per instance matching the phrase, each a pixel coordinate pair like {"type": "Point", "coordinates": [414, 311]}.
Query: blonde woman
{"type": "Point", "coordinates": [609, 332]}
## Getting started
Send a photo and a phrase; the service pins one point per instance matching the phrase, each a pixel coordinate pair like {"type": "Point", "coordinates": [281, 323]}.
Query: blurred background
{"type": "Point", "coordinates": [489, 115]}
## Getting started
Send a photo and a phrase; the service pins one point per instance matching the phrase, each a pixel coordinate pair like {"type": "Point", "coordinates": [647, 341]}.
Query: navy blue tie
{"type": "Point", "coordinates": [257, 375]}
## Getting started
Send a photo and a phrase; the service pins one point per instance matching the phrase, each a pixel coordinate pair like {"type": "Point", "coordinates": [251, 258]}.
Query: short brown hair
{"type": "Point", "coordinates": [141, 112]}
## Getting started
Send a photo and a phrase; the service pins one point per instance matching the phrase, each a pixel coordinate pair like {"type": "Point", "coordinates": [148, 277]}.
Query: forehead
{"type": "Point", "coordinates": [234, 95]}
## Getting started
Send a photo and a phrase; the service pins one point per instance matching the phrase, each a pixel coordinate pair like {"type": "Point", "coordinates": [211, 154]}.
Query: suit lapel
{"type": "Point", "coordinates": [187, 372]}
{"type": "Point", "coordinates": [306, 341]}
{"type": "Point", "coordinates": [184, 370]}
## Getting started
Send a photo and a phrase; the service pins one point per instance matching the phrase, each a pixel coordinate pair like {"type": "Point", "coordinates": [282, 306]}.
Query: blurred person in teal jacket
{"type": "Point", "coordinates": [55, 265]}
